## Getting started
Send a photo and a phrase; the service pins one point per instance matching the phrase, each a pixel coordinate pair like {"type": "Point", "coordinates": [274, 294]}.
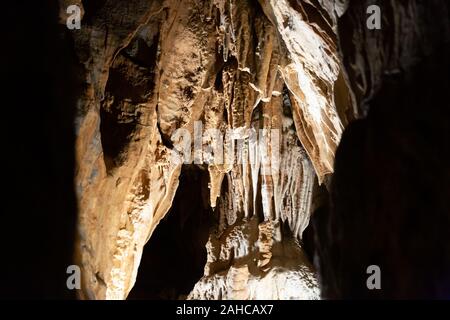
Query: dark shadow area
{"type": "Point", "coordinates": [38, 111]}
{"type": "Point", "coordinates": [175, 256]}
{"type": "Point", "coordinates": [92, 8]}
{"type": "Point", "coordinates": [390, 192]}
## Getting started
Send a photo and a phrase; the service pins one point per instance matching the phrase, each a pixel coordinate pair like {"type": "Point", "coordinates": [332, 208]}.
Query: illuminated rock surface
{"type": "Point", "coordinates": [160, 66]}
{"type": "Point", "coordinates": [138, 71]}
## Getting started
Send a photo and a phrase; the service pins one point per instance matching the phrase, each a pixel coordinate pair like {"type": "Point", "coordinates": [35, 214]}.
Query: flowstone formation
{"type": "Point", "coordinates": [157, 72]}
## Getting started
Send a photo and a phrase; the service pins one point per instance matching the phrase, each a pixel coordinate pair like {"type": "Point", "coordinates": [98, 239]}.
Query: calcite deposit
{"type": "Point", "coordinates": [226, 149]}
{"type": "Point", "coordinates": [153, 68]}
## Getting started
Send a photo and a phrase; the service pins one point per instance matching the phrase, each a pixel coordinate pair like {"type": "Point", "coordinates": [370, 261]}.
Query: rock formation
{"type": "Point", "coordinates": [151, 68]}
{"type": "Point", "coordinates": [317, 147]}
{"type": "Point", "coordinates": [259, 92]}
{"type": "Point", "coordinates": [389, 197]}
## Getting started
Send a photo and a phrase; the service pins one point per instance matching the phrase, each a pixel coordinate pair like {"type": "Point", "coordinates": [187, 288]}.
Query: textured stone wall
{"type": "Point", "coordinates": [301, 70]}
{"type": "Point", "coordinates": [152, 67]}
{"type": "Point", "coordinates": [389, 193]}
{"type": "Point", "coordinates": [357, 120]}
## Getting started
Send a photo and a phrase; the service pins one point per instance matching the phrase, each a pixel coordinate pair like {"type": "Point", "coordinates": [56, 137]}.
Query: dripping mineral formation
{"type": "Point", "coordinates": [151, 227]}
{"type": "Point", "coordinates": [163, 66]}
{"type": "Point", "coordinates": [361, 175]}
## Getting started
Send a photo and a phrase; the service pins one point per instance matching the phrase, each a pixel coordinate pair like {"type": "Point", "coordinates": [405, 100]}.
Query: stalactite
{"type": "Point", "coordinates": [231, 66]}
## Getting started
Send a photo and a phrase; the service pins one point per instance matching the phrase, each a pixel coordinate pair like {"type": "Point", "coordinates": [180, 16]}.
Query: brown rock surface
{"type": "Point", "coordinates": [141, 81]}
{"type": "Point", "coordinates": [160, 66]}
